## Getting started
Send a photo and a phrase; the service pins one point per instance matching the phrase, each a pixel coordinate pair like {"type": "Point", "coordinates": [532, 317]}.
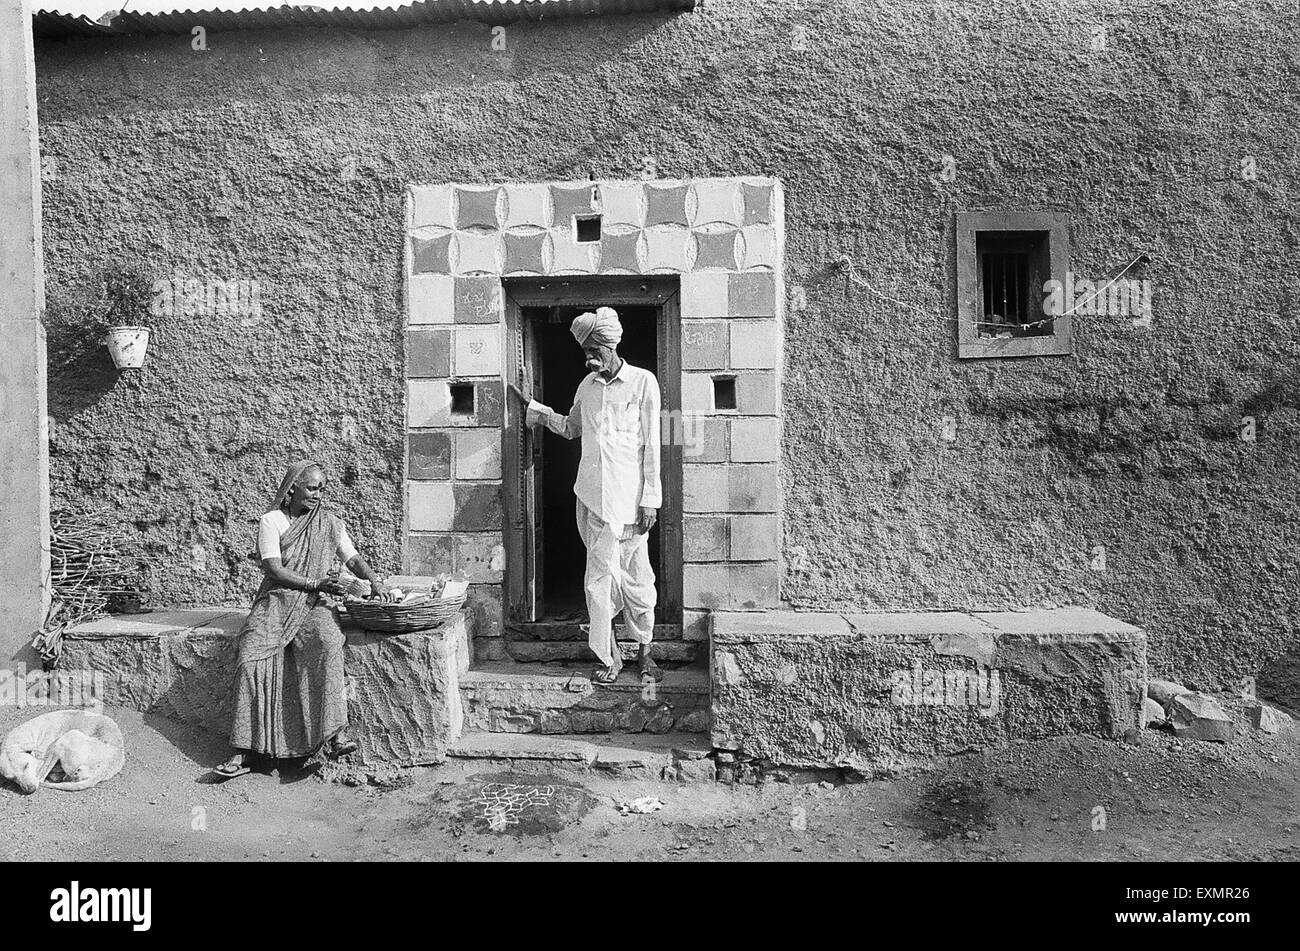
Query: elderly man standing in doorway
{"type": "Point", "coordinates": [616, 414]}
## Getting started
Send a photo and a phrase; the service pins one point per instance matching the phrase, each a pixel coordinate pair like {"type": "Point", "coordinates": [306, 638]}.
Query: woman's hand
{"type": "Point", "coordinates": [378, 590]}
{"type": "Point", "coordinates": [330, 585]}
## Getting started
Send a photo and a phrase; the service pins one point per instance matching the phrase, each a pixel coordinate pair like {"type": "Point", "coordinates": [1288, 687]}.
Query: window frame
{"type": "Point", "coordinates": [969, 225]}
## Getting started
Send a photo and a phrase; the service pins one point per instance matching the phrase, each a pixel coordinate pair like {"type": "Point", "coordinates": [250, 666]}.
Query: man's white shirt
{"type": "Point", "coordinates": [619, 424]}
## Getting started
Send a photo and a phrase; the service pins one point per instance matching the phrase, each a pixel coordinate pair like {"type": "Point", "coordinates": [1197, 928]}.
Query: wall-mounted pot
{"type": "Point", "coordinates": [127, 346]}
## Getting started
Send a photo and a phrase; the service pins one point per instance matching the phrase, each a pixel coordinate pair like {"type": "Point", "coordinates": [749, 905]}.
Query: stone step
{"type": "Point", "coordinates": [553, 699]}
{"type": "Point", "coordinates": [648, 755]}
{"type": "Point", "coordinates": [498, 649]}
{"type": "Point", "coordinates": [573, 631]}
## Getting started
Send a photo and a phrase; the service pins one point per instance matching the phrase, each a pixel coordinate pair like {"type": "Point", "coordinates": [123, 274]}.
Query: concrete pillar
{"type": "Point", "coordinates": [24, 456]}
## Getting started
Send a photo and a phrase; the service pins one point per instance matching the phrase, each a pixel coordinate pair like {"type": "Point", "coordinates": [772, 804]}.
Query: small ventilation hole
{"type": "Point", "coordinates": [724, 392]}
{"type": "Point", "coordinates": [462, 399]}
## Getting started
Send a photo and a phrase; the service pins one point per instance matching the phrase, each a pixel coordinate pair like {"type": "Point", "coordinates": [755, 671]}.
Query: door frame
{"type": "Point", "coordinates": [661, 291]}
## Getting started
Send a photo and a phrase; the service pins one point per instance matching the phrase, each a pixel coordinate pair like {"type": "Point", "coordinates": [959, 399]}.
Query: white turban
{"type": "Point", "coordinates": [602, 328]}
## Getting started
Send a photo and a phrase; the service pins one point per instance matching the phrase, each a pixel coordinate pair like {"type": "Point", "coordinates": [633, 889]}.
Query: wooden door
{"type": "Point", "coordinates": [534, 443]}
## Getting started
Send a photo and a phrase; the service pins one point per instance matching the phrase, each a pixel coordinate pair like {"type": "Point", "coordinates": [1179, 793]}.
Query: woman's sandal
{"type": "Point", "coordinates": [230, 769]}
{"type": "Point", "coordinates": [338, 749]}
{"type": "Point", "coordinates": [604, 675]}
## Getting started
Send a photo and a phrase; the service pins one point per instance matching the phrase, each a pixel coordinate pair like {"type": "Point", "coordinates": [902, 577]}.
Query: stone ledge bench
{"type": "Point", "coordinates": [869, 690]}
{"type": "Point", "coordinates": [404, 700]}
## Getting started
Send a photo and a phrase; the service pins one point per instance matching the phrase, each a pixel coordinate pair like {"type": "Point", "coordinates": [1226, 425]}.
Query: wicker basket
{"type": "Point", "coordinates": [404, 618]}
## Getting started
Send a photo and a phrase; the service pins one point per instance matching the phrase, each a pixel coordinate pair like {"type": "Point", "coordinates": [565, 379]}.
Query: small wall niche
{"type": "Point", "coordinates": [586, 228]}
{"type": "Point", "coordinates": [462, 399]}
{"type": "Point", "coordinates": [724, 393]}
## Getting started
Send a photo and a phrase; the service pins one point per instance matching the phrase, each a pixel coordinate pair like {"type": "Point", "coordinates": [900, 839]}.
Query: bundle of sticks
{"type": "Point", "coordinates": [88, 576]}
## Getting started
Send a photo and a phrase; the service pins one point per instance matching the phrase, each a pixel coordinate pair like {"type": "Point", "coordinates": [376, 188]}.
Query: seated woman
{"type": "Point", "coordinates": [289, 695]}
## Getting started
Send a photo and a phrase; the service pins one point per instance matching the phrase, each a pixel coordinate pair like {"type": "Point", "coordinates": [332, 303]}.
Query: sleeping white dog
{"type": "Point", "coordinates": [69, 749]}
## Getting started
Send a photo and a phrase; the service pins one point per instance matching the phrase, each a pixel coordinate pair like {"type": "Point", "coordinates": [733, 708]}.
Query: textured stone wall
{"type": "Point", "coordinates": [404, 702]}
{"type": "Point", "coordinates": [909, 478]}
{"type": "Point", "coordinates": [876, 690]}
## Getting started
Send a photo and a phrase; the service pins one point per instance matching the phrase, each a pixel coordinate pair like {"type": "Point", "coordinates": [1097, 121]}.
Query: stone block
{"type": "Point", "coordinates": [704, 538]}
{"type": "Point", "coordinates": [431, 554]}
{"type": "Point", "coordinates": [1153, 714]}
{"type": "Point", "coordinates": [432, 299]}
{"type": "Point", "coordinates": [182, 669]}
{"type": "Point", "coordinates": [477, 253]}
{"type": "Point", "coordinates": [704, 438]}
{"type": "Point", "coordinates": [706, 294]}
{"type": "Point", "coordinates": [665, 250]}
{"type": "Point", "coordinates": [620, 253]}
{"type": "Point", "coordinates": [489, 405]}
{"type": "Point", "coordinates": [759, 242]}
{"type": "Point", "coordinates": [478, 300]}
{"type": "Point", "coordinates": [431, 253]}
{"type": "Point", "coordinates": [431, 205]}
{"type": "Point", "coordinates": [717, 251]}
{"type": "Point", "coordinates": [569, 200]}
{"type": "Point", "coordinates": [477, 507]}
{"type": "Point", "coordinates": [428, 403]}
{"type": "Point", "coordinates": [478, 454]}
{"type": "Point", "coordinates": [477, 351]}
{"type": "Point", "coordinates": [753, 488]}
{"type": "Point", "coordinates": [717, 201]}
{"type": "Point", "coordinates": [755, 344]}
{"type": "Point", "coordinates": [1263, 717]}
{"type": "Point", "coordinates": [754, 538]}
{"type": "Point", "coordinates": [761, 201]}
{"type": "Point", "coordinates": [622, 205]}
{"type": "Point", "coordinates": [428, 353]}
{"type": "Point", "coordinates": [704, 488]}
{"type": "Point", "coordinates": [705, 344]}
{"type": "Point", "coordinates": [479, 208]}
{"type": "Point", "coordinates": [756, 394]}
{"type": "Point", "coordinates": [480, 556]}
{"type": "Point", "coordinates": [743, 587]}
{"type": "Point", "coordinates": [697, 393]}
{"type": "Point", "coordinates": [755, 439]}
{"type": "Point", "coordinates": [429, 455]}
{"type": "Point", "coordinates": [1162, 691]}
{"type": "Point", "coordinates": [1198, 716]}
{"type": "Point", "coordinates": [666, 205]}
{"type": "Point", "coordinates": [696, 771]}
{"type": "Point", "coordinates": [431, 506]}
{"type": "Point", "coordinates": [484, 612]}
{"type": "Point", "coordinates": [753, 586]}
{"type": "Point", "coordinates": [404, 704]}
{"type": "Point", "coordinates": [527, 206]}
{"type": "Point", "coordinates": [568, 257]}
{"type": "Point", "coordinates": [524, 253]}
{"type": "Point", "coordinates": [809, 690]}
{"type": "Point", "coordinates": [752, 294]}
{"type": "Point", "coordinates": [695, 625]}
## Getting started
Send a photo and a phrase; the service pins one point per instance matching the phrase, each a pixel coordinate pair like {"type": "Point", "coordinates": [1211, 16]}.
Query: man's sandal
{"type": "Point", "coordinates": [604, 675]}
{"type": "Point", "coordinates": [651, 670]}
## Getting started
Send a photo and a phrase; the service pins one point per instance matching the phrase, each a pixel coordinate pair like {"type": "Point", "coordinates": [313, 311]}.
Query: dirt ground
{"type": "Point", "coordinates": [1163, 799]}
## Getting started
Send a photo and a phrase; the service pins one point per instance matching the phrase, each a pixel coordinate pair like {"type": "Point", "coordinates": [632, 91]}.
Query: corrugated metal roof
{"type": "Point", "coordinates": [51, 23]}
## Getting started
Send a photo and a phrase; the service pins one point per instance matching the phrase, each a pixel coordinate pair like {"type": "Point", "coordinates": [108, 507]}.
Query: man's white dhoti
{"type": "Point", "coordinates": [618, 578]}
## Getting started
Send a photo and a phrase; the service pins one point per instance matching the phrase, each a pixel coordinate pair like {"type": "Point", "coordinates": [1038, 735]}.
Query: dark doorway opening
{"type": "Point", "coordinates": [561, 370]}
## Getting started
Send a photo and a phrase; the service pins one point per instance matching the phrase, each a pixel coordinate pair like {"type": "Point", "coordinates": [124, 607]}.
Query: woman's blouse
{"type": "Point", "coordinates": [275, 523]}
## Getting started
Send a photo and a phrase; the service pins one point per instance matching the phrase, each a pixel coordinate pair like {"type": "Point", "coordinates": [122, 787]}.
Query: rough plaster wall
{"type": "Point", "coordinates": [1130, 443]}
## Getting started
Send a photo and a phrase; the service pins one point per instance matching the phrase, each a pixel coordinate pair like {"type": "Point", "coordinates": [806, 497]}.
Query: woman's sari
{"type": "Point", "coordinates": [289, 692]}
